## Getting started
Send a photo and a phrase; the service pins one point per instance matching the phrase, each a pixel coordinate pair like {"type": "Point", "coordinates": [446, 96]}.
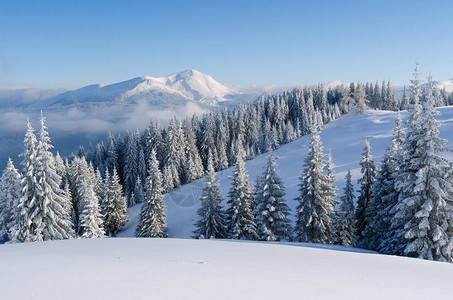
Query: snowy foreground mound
{"type": "Point", "coordinates": [213, 269]}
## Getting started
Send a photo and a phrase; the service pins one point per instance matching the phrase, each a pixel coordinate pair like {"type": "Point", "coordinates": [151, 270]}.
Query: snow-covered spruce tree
{"type": "Point", "coordinates": [139, 196]}
{"type": "Point", "coordinates": [152, 218]}
{"type": "Point", "coordinates": [111, 155]}
{"type": "Point", "coordinates": [381, 207]}
{"type": "Point", "coordinates": [175, 158]}
{"type": "Point", "coordinates": [42, 210]}
{"type": "Point", "coordinates": [271, 209]}
{"type": "Point", "coordinates": [366, 184]}
{"type": "Point", "coordinates": [212, 218]}
{"type": "Point", "coordinates": [194, 165]}
{"type": "Point", "coordinates": [91, 222]}
{"type": "Point", "coordinates": [315, 211]}
{"type": "Point", "coordinates": [240, 218]}
{"type": "Point", "coordinates": [131, 171]}
{"type": "Point", "coordinates": [330, 188]}
{"type": "Point", "coordinates": [424, 212]}
{"type": "Point", "coordinates": [99, 185]}
{"type": "Point", "coordinates": [141, 167]}
{"type": "Point", "coordinates": [82, 182]}
{"type": "Point", "coordinates": [344, 227]}
{"type": "Point", "coordinates": [10, 193]}
{"type": "Point", "coordinates": [359, 97]}
{"type": "Point", "coordinates": [115, 206]}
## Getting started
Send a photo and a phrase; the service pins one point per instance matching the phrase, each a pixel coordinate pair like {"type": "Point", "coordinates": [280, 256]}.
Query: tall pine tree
{"type": "Point", "coordinates": [272, 211]}
{"type": "Point", "coordinates": [10, 192]}
{"type": "Point", "coordinates": [315, 211]}
{"type": "Point", "coordinates": [424, 212]}
{"type": "Point", "coordinates": [212, 218]}
{"type": "Point", "coordinates": [152, 221]}
{"type": "Point", "coordinates": [241, 223]}
{"type": "Point", "coordinates": [366, 184]}
{"type": "Point", "coordinates": [345, 230]}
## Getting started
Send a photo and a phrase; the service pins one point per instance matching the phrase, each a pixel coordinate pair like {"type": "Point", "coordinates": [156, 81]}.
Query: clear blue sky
{"type": "Point", "coordinates": [69, 44]}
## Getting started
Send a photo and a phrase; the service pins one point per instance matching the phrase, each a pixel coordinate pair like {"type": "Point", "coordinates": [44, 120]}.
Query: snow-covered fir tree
{"type": "Point", "coordinates": [345, 221]}
{"type": "Point", "coordinates": [384, 197]}
{"type": "Point", "coordinates": [100, 186]}
{"type": "Point", "coordinates": [131, 170]}
{"type": "Point", "coordinates": [42, 210]}
{"type": "Point", "coordinates": [91, 222]}
{"type": "Point", "coordinates": [424, 213]}
{"type": "Point", "coordinates": [271, 209]}
{"type": "Point", "coordinates": [315, 211]}
{"type": "Point", "coordinates": [10, 192]}
{"type": "Point", "coordinates": [366, 184]}
{"type": "Point", "coordinates": [115, 206]}
{"type": "Point", "coordinates": [359, 96]}
{"type": "Point", "coordinates": [111, 155]}
{"type": "Point", "coordinates": [141, 166]}
{"type": "Point", "coordinates": [139, 196]}
{"type": "Point", "coordinates": [82, 182]}
{"type": "Point", "coordinates": [240, 219]}
{"type": "Point", "coordinates": [194, 165]}
{"type": "Point", "coordinates": [175, 159]}
{"type": "Point", "coordinates": [212, 218]}
{"type": "Point", "coordinates": [152, 221]}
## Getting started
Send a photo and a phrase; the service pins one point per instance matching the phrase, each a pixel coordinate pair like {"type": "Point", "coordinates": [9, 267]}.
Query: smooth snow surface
{"type": "Point", "coordinates": [212, 269]}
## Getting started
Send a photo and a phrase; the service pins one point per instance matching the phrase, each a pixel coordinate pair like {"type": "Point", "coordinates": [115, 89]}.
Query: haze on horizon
{"type": "Point", "coordinates": [68, 45]}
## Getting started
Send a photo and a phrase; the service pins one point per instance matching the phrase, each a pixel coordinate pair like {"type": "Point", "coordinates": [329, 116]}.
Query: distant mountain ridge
{"type": "Point", "coordinates": [175, 90]}
{"type": "Point", "coordinates": [172, 90]}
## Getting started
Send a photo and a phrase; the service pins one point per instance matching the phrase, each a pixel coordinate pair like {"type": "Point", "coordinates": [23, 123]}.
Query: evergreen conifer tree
{"type": "Point", "coordinates": [381, 207]}
{"type": "Point", "coordinates": [345, 231]}
{"type": "Point", "coordinates": [271, 209]}
{"type": "Point", "coordinates": [212, 218]}
{"type": "Point", "coordinates": [366, 184]}
{"type": "Point", "coordinates": [152, 218]}
{"type": "Point", "coordinates": [424, 213]}
{"type": "Point", "coordinates": [240, 220]}
{"type": "Point", "coordinates": [42, 210]}
{"type": "Point", "coordinates": [315, 211]}
{"type": "Point", "coordinates": [91, 218]}
{"type": "Point", "coordinates": [10, 192]}
{"type": "Point", "coordinates": [115, 206]}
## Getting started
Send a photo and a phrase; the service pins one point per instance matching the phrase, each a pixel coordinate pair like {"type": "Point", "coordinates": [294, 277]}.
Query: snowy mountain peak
{"type": "Point", "coordinates": [175, 89]}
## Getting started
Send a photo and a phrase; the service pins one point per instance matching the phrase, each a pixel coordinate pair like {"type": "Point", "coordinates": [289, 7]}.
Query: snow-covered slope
{"type": "Point", "coordinates": [212, 269]}
{"type": "Point", "coordinates": [343, 138]}
{"type": "Point", "coordinates": [172, 90]}
{"type": "Point", "coordinates": [123, 268]}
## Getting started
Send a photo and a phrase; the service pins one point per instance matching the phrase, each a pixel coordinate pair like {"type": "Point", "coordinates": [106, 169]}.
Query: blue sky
{"type": "Point", "coordinates": [69, 44]}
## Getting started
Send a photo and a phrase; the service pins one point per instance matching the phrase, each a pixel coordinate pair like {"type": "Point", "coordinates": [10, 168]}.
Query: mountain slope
{"type": "Point", "coordinates": [343, 138]}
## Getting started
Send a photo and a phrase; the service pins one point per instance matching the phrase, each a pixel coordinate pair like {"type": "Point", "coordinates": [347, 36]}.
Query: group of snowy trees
{"type": "Point", "coordinates": [82, 195]}
{"type": "Point", "coordinates": [52, 199]}
{"type": "Point", "coordinates": [256, 215]}
{"type": "Point", "coordinates": [404, 207]}
{"type": "Point", "coordinates": [182, 149]}
{"type": "Point", "coordinates": [409, 210]}
{"type": "Point", "coordinates": [262, 213]}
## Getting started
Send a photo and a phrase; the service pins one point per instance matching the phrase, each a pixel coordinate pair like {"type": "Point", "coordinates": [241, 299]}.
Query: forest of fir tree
{"type": "Point", "coordinates": [398, 212]}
